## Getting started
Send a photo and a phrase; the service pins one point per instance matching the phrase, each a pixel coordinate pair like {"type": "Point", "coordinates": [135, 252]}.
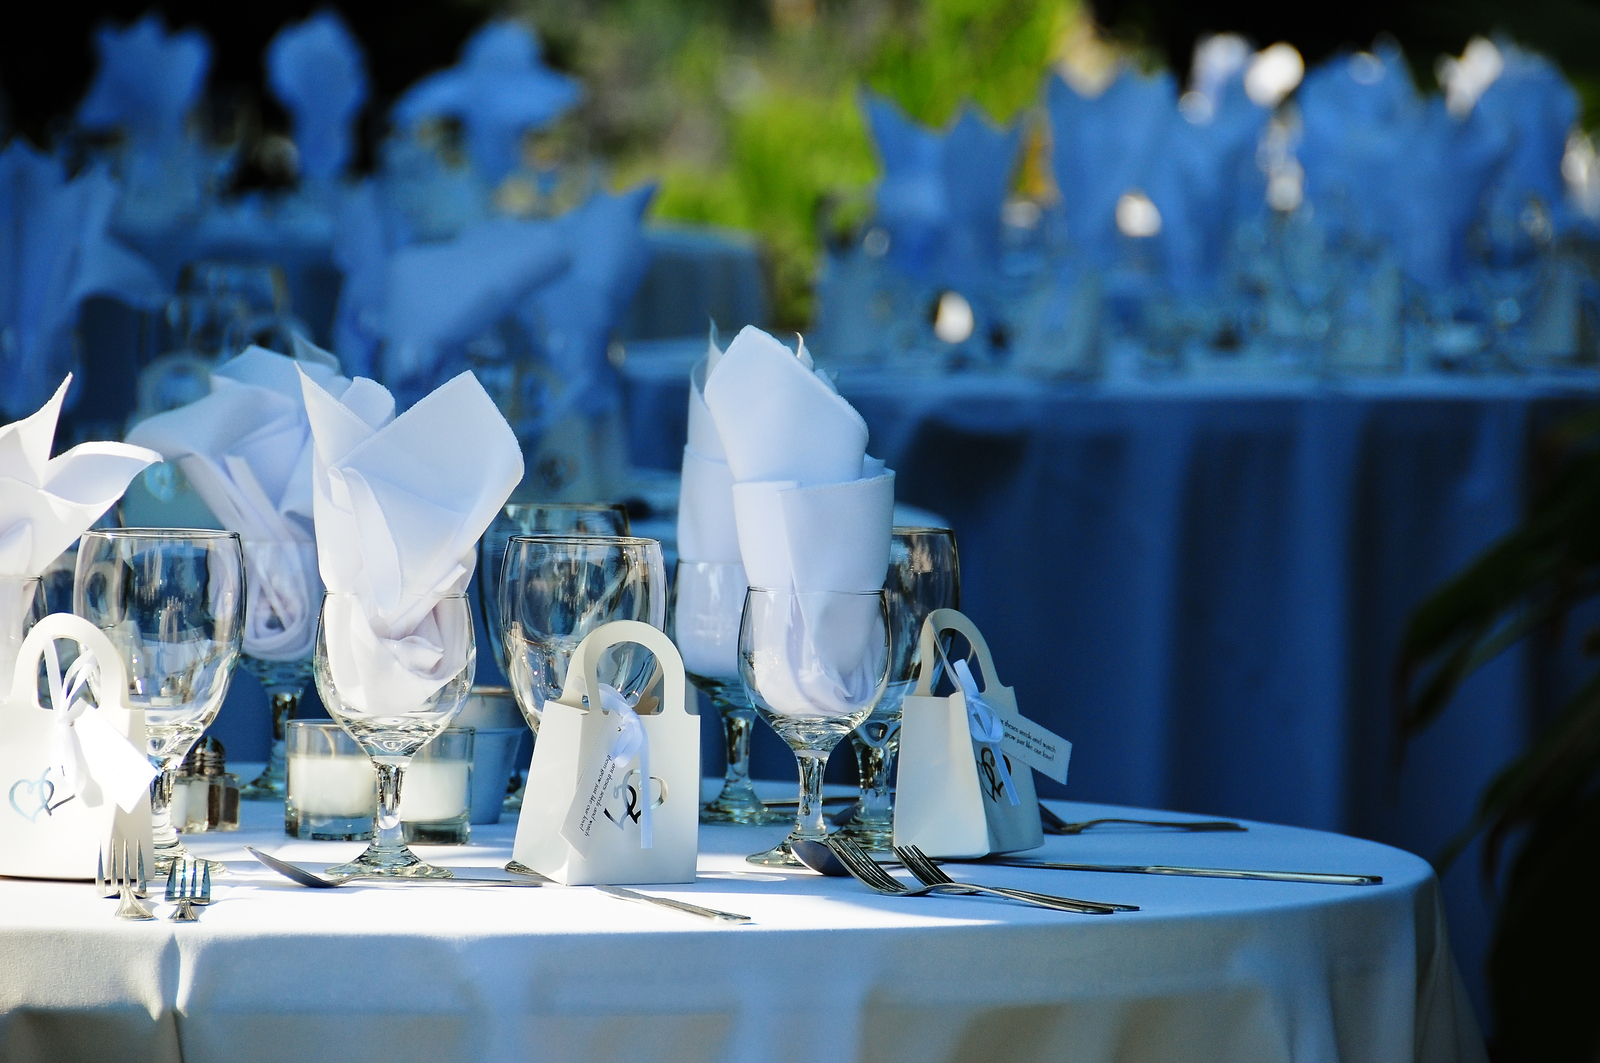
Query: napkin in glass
{"type": "Point", "coordinates": [813, 512]}
{"type": "Point", "coordinates": [499, 90]}
{"type": "Point", "coordinates": [399, 504]}
{"type": "Point", "coordinates": [58, 252]}
{"type": "Point", "coordinates": [316, 70]}
{"type": "Point", "coordinates": [246, 447]}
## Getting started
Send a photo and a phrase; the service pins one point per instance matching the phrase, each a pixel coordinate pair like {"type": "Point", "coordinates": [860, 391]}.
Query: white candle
{"type": "Point", "coordinates": [333, 786]}
{"type": "Point", "coordinates": [434, 790]}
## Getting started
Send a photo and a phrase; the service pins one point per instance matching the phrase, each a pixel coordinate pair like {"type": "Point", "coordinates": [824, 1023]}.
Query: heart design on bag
{"type": "Point", "coordinates": [35, 797]}
{"type": "Point", "coordinates": [993, 785]}
{"type": "Point", "coordinates": [628, 792]}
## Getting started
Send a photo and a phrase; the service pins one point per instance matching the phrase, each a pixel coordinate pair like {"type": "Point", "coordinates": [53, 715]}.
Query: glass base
{"type": "Point", "coordinates": [872, 835]}
{"type": "Point", "coordinates": [740, 805]}
{"type": "Point", "coordinates": [266, 787]}
{"type": "Point", "coordinates": [389, 863]}
{"type": "Point", "coordinates": [163, 859]}
{"type": "Point", "coordinates": [780, 855]}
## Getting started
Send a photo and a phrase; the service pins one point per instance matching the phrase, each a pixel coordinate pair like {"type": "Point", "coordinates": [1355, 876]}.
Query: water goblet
{"type": "Point", "coordinates": [924, 575]}
{"type": "Point", "coordinates": [393, 698]}
{"type": "Point", "coordinates": [703, 613]}
{"type": "Point", "coordinates": [554, 590]}
{"type": "Point", "coordinates": [172, 601]}
{"type": "Point", "coordinates": [284, 590]}
{"type": "Point", "coordinates": [815, 664]}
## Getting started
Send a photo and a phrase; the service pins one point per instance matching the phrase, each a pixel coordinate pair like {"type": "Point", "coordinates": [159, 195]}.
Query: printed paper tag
{"type": "Point", "coordinates": [1037, 746]}
{"type": "Point", "coordinates": [595, 782]}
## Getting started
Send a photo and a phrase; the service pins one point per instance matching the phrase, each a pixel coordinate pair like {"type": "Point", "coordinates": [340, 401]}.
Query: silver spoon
{"type": "Point", "coordinates": [310, 878]}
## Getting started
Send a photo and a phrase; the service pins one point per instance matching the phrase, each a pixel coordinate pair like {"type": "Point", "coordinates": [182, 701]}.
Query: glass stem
{"type": "Point", "coordinates": [808, 821]}
{"type": "Point", "coordinates": [737, 725]}
{"type": "Point", "coordinates": [163, 834]}
{"type": "Point", "coordinates": [284, 705]}
{"type": "Point", "coordinates": [387, 835]}
{"type": "Point", "coordinates": [873, 761]}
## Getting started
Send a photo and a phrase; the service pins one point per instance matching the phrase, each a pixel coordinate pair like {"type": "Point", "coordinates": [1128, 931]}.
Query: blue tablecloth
{"type": "Point", "coordinates": [1203, 584]}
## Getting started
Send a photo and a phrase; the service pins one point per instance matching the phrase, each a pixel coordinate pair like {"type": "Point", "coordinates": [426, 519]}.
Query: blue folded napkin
{"type": "Point", "coordinates": [56, 254]}
{"type": "Point", "coordinates": [1533, 101]}
{"type": "Point", "coordinates": [147, 81]}
{"type": "Point", "coordinates": [316, 70]}
{"type": "Point", "coordinates": [499, 90]}
{"type": "Point", "coordinates": [1104, 147]}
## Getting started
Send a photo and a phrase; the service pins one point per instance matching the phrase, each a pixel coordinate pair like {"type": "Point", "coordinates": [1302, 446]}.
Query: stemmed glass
{"type": "Point", "coordinates": [283, 578]}
{"type": "Point", "coordinates": [394, 703]}
{"type": "Point", "coordinates": [815, 663]}
{"type": "Point", "coordinates": [924, 575]}
{"type": "Point", "coordinates": [554, 590]}
{"type": "Point", "coordinates": [22, 605]}
{"type": "Point", "coordinates": [171, 600]}
{"type": "Point", "coordinates": [703, 616]}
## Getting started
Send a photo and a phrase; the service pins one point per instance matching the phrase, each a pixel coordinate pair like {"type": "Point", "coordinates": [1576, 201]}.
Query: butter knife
{"type": "Point", "coordinates": [629, 895]}
{"type": "Point", "coordinates": [1325, 878]}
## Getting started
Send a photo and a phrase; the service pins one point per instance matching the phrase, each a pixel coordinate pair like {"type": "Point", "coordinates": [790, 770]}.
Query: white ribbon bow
{"type": "Point", "coordinates": [985, 725]}
{"type": "Point", "coordinates": [85, 749]}
{"type": "Point", "coordinates": [630, 742]}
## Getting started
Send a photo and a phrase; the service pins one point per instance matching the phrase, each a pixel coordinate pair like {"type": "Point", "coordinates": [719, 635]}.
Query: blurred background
{"type": "Point", "coordinates": [1251, 352]}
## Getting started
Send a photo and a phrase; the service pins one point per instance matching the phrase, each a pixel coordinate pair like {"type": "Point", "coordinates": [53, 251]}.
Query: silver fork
{"type": "Point", "coordinates": [866, 870]}
{"type": "Point", "coordinates": [1054, 824]}
{"type": "Point", "coordinates": [188, 883]}
{"type": "Point", "coordinates": [930, 874]}
{"type": "Point", "coordinates": [126, 881]}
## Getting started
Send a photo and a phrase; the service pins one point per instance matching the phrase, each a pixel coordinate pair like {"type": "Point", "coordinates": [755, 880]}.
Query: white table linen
{"type": "Point", "coordinates": [1208, 970]}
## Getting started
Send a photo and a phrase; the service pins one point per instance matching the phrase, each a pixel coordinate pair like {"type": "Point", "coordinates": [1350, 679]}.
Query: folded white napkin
{"type": "Point", "coordinates": [400, 503]}
{"type": "Point", "coordinates": [706, 528]}
{"type": "Point", "coordinates": [813, 513]}
{"type": "Point", "coordinates": [246, 447]}
{"type": "Point", "coordinates": [45, 502]}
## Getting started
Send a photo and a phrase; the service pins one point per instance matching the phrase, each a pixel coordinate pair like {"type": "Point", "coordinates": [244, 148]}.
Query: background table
{"type": "Point", "coordinates": [1203, 583]}
{"type": "Point", "coordinates": [1207, 970]}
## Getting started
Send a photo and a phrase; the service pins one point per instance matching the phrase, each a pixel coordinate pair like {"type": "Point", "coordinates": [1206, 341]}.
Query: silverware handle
{"type": "Point", "coordinates": [681, 906]}
{"type": "Point", "coordinates": [1320, 877]}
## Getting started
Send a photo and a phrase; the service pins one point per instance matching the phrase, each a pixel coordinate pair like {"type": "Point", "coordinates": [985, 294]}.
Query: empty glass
{"type": "Point", "coordinates": [393, 697]}
{"type": "Point", "coordinates": [22, 604]}
{"type": "Point", "coordinates": [171, 600]}
{"type": "Point", "coordinates": [815, 664]}
{"type": "Point", "coordinates": [703, 615]}
{"type": "Point", "coordinates": [536, 518]}
{"type": "Point", "coordinates": [924, 575]}
{"type": "Point", "coordinates": [285, 589]}
{"type": "Point", "coordinates": [554, 590]}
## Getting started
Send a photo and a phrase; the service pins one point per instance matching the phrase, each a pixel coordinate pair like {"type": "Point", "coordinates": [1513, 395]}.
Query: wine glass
{"type": "Point", "coordinates": [924, 575]}
{"type": "Point", "coordinates": [284, 589]}
{"type": "Point", "coordinates": [22, 605]}
{"type": "Point", "coordinates": [535, 518]}
{"type": "Point", "coordinates": [703, 615]}
{"type": "Point", "coordinates": [554, 590]}
{"type": "Point", "coordinates": [393, 686]}
{"type": "Point", "coordinates": [815, 663]}
{"type": "Point", "coordinates": [171, 600]}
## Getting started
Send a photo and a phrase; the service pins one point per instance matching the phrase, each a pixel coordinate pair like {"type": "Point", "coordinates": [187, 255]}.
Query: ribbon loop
{"type": "Point", "coordinates": [628, 744]}
{"type": "Point", "coordinates": [985, 726]}
{"type": "Point", "coordinates": [85, 749]}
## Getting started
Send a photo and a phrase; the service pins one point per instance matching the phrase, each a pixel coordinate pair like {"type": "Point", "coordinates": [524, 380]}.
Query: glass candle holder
{"type": "Point", "coordinates": [333, 791]}
{"type": "Point", "coordinates": [436, 803]}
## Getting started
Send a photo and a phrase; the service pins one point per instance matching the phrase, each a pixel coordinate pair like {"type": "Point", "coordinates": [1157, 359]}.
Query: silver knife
{"type": "Point", "coordinates": [1325, 878]}
{"type": "Point", "coordinates": [517, 868]}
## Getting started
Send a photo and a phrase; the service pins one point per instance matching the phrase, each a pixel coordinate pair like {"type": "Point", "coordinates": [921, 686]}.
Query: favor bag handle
{"type": "Point", "coordinates": [938, 622]}
{"type": "Point", "coordinates": [586, 659]}
{"type": "Point", "coordinates": [110, 684]}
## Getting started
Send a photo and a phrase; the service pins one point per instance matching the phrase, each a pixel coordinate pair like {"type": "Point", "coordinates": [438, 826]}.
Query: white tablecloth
{"type": "Point", "coordinates": [1207, 970]}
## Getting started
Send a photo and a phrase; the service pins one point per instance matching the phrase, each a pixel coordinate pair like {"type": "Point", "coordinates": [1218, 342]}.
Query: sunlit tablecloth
{"type": "Point", "coordinates": [1202, 582]}
{"type": "Point", "coordinates": [1228, 971]}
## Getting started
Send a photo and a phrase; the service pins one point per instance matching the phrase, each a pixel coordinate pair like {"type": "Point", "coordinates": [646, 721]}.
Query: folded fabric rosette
{"type": "Point", "coordinates": [62, 774]}
{"type": "Point", "coordinates": [399, 504]}
{"type": "Point", "coordinates": [813, 513]}
{"type": "Point", "coordinates": [246, 447]}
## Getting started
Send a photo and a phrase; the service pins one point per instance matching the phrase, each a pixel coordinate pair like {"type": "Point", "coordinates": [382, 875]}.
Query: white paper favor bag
{"type": "Point", "coordinates": [966, 761]}
{"type": "Point", "coordinates": [72, 775]}
{"type": "Point", "coordinates": [613, 795]}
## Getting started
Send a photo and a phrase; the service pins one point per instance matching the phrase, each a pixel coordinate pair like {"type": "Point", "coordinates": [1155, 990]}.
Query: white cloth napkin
{"type": "Point", "coordinates": [45, 502]}
{"type": "Point", "coordinates": [706, 527]}
{"type": "Point", "coordinates": [246, 447]}
{"type": "Point", "coordinates": [813, 513]}
{"type": "Point", "coordinates": [400, 503]}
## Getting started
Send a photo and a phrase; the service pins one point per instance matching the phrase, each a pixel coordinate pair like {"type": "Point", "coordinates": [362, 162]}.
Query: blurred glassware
{"type": "Point", "coordinates": [815, 664]}
{"type": "Point", "coordinates": [554, 590]}
{"type": "Point", "coordinates": [171, 600]}
{"type": "Point", "coordinates": [924, 575]}
{"type": "Point", "coordinates": [285, 684]}
{"type": "Point", "coordinates": [23, 602]}
{"type": "Point", "coordinates": [389, 732]}
{"type": "Point", "coordinates": [703, 613]}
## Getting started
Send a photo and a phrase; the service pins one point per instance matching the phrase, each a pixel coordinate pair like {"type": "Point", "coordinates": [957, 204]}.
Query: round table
{"type": "Point", "coordinates": [1206, 970]}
